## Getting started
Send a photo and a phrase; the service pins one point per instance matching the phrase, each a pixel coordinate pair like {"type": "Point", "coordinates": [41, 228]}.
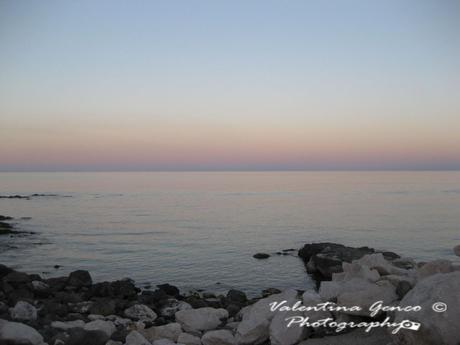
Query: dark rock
{"type": "Point", "coordinates": [3, 218]}
{"type": "Point", "coordinates": [390, 256]}
{"type": "Point", "coordinates": [79, 279]}
{"type": "Point", "coordinates": [16, 278]}
{"type": "Point", "coordinates": [53, 308]}
{"type": "Point", "coordinates": [4, 270]}
{"type": "Point", "coordinates": [403, 288]}
{"type": "Point", "coordinates": [236, 296]}
{"type": "Point", "coordinates": [103, 289]}
{"type": "Point", "coordinates": [78, 336]}
{"type": "Point", "coordinates": [124, 289]}
{"type": "Point", "coordinates": [120, 335]}
{"type": "Point", "coordinates": [327, 258]}
{"type": "Point", "coordinates": [57, 284]}
{"type": "Point", "coordinates": [233, 309]}
{"type": "Point", "coordinates": [103, 306]}
{"type": "Point", "coordinates": [195, 302]}
{"type": "Point", "coordinates": [270, 291]}
{"type": "Point", "coordinates": [170, 290]}
{"type": "Point", "coordinates": [261, 256]}
{"type": "Point", "coordinates": [68, 297]}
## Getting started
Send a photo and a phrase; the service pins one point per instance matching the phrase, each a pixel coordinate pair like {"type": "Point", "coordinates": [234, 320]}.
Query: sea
{"type": "Point", "coordinates": [200, 230]}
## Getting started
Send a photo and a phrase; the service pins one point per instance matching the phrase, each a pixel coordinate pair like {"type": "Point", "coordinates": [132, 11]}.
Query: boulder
{"type": "Point", "coordinates": [172, 306]}
{"type": "Point", "coordinates": [23, 311]}
{"type": "Point", "coordinates": [15, 333]}
{"type": "Point", "coordinates": [256, 319]}
{"type": "Point", "coordinates": [79, 278]}
{"type": "Point", "coordinates": [163, 342]}
{"type": "Point", "coordinates": [378, 262]}
{"type": "Point", "coordinates": [135, 338]}
{"type": "Point", "coordinates": [280, 334]}
{"type": "Point", "coordinates": [312, 298]}
{"type": "Point", "coordinates": [201, 319]}
{"type": "Point", "coordinates": [434, 267]}
{"type": "Point", "coordinates": [140, 312]}
{"type": "Point", "coordinates": [169, 331]}
{"type": "Point", "coordinates": [236, 297]}
{"type": "Point", "coordinates": [78, 336]}
{"type": "Point", "coordinates": [170, 290]}
{"type": "Point", "coordinates": [219, 337]}
{"type": "Point", "coordinates": [100, 325]}
{"type": "Point", "coordinates": [68, 324]}
{"type": "Point", "coordinates": [188, 339]}
{"type": "Point", "coordinates": [362, 293]}
{"type": "Point", "coordinates": [436, 327]}
{"type": "Point", "coordinates": [357, 270]}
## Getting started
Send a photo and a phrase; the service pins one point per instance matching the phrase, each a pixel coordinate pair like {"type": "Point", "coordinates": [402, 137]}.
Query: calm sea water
{"type": "Point", "coordinates": [196, 229]}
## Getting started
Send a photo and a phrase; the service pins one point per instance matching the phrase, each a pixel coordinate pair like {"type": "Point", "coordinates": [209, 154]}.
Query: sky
{"type": "Point", "coordinates": [229, 85]}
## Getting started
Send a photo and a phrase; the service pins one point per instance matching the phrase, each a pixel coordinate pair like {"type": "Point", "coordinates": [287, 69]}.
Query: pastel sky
{"type": "Point", "coordinates": [238, 85]}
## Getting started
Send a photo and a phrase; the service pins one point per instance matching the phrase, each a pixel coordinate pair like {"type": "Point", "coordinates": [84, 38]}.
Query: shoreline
{"type": "Point", "coordinates": [360, 285]}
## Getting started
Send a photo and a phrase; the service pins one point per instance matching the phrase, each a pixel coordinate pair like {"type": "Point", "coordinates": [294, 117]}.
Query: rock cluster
{"type": "Point", "coordinates": [74, 310]}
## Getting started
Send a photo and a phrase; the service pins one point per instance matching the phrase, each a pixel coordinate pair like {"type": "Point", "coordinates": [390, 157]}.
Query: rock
{"type": "Point", "coordinates": [14, 333]}
{"type": "Point", "coordinates": [457, 250]}
{"type": "Point", "coordinates": [100, 325]}
{"type": "Point", "coordinates": [378, 262]}
{"type": "Point", "coordinates": [135, 338]}
{"type": "Point", "coordinates": [329, 290]}
{"type": "Point", "coordinates": [112, 342]}
{"type": "Point", "coordinates": [16, 278]}
{"type": "Point", "coordinates": [219, 337]}
{"type": "Point", "coordinates": [140, 312]}
{"type": "Point", "coordinates": [377, 336]}
{"type": "Point", "coordinates": [169, 331]}
{"type": "Point", "coordinates": [356, 270]}
{"type": "Point", "coordinates": [434, 267]}
{"type": "Point", "coordinates": [280, 334]}
{"type": "Point", "coordinates": [436, 327]}
{"type": "Point", "coordinates": [23, 311]}
{"type": "Point", "coordinates": [124, 289]}
{"type": "Point", "coordinates": [173, 306]}
{"type": "Point", "coordinates": [78, 336]}
{"type": "Point", "coordinates": [68, 324]}
{"type": "Point", "coordinates": [170, 290]}
{"type": "Point", "coordinates": [103, 306]}
{"type": "Point", "coordinates": [403, 288]}
{"type": "Point", "coordinates": [236, 297]}
{"type": "Point", "coordinates": [261, 256]}
{"type": "Point", "coordinates": [79, 279]}
{"type": "Point", "coordinates": [326, 258]}
{"type": "Point", "coordinates": [254, 327]}
{"type": "Point", "coordinates": [312, 298]}
{"type": "Point", "coordinates": [163, 342]}
{"type": "Point", "coordinates": [201, 319]}
{"type": "Point", "coordinates": [188, 339]}
{"type": "Point", "coordinates": [362, 293]}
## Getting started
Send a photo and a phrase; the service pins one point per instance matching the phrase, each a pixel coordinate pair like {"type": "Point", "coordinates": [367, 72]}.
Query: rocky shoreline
{"type": "Point", "coordinates": [74, 310]}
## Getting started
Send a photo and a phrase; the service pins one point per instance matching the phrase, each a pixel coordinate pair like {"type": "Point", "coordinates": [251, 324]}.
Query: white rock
{"type": "Point", "coordinates": [18, 333]}
{"type": "Point", "coordinates": [39, 285]}
{"type": "Point", "coordinates": [329, 290]}
{"type": "Point", "coordinates": [457, 250]}
{"type": "Point", "coordinates": [188, 339]}
{"type": "Point", "coordinates": [140, 312]}
{"type": "Point", "coordinates": [219, 337]}
{"type": "Point", "coordinates": [23, 311]}
{"type": "Point", "coordinates": [356, 270]}
{"type": "Point", "coordinates": [436, 328]}
{"type": "Point", "coordinates": [119, 321]}
{"type": "Point", "coordinates": [201, 319]}
{"type": "Point", "coordinates": [100, 325]}
{"type": "Point", "coordinates": [135, 338]}
{"type": "Point", "coordinates": [68, 324]}
{"type": "Point", "coordinates": [312, 298]}
{"type": "Point", "coordinates": [362, 293]}
{"type": "Point", "coordinates": [281, 334]}
{"type": "Point", "coordinates": [378, 262]}
{"type": "Point", "coordinates": [169, 331]}
{"type": "Point", "coordinates": [254, 327]}
{"type": "Point", "coordinates": [434, 267]}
